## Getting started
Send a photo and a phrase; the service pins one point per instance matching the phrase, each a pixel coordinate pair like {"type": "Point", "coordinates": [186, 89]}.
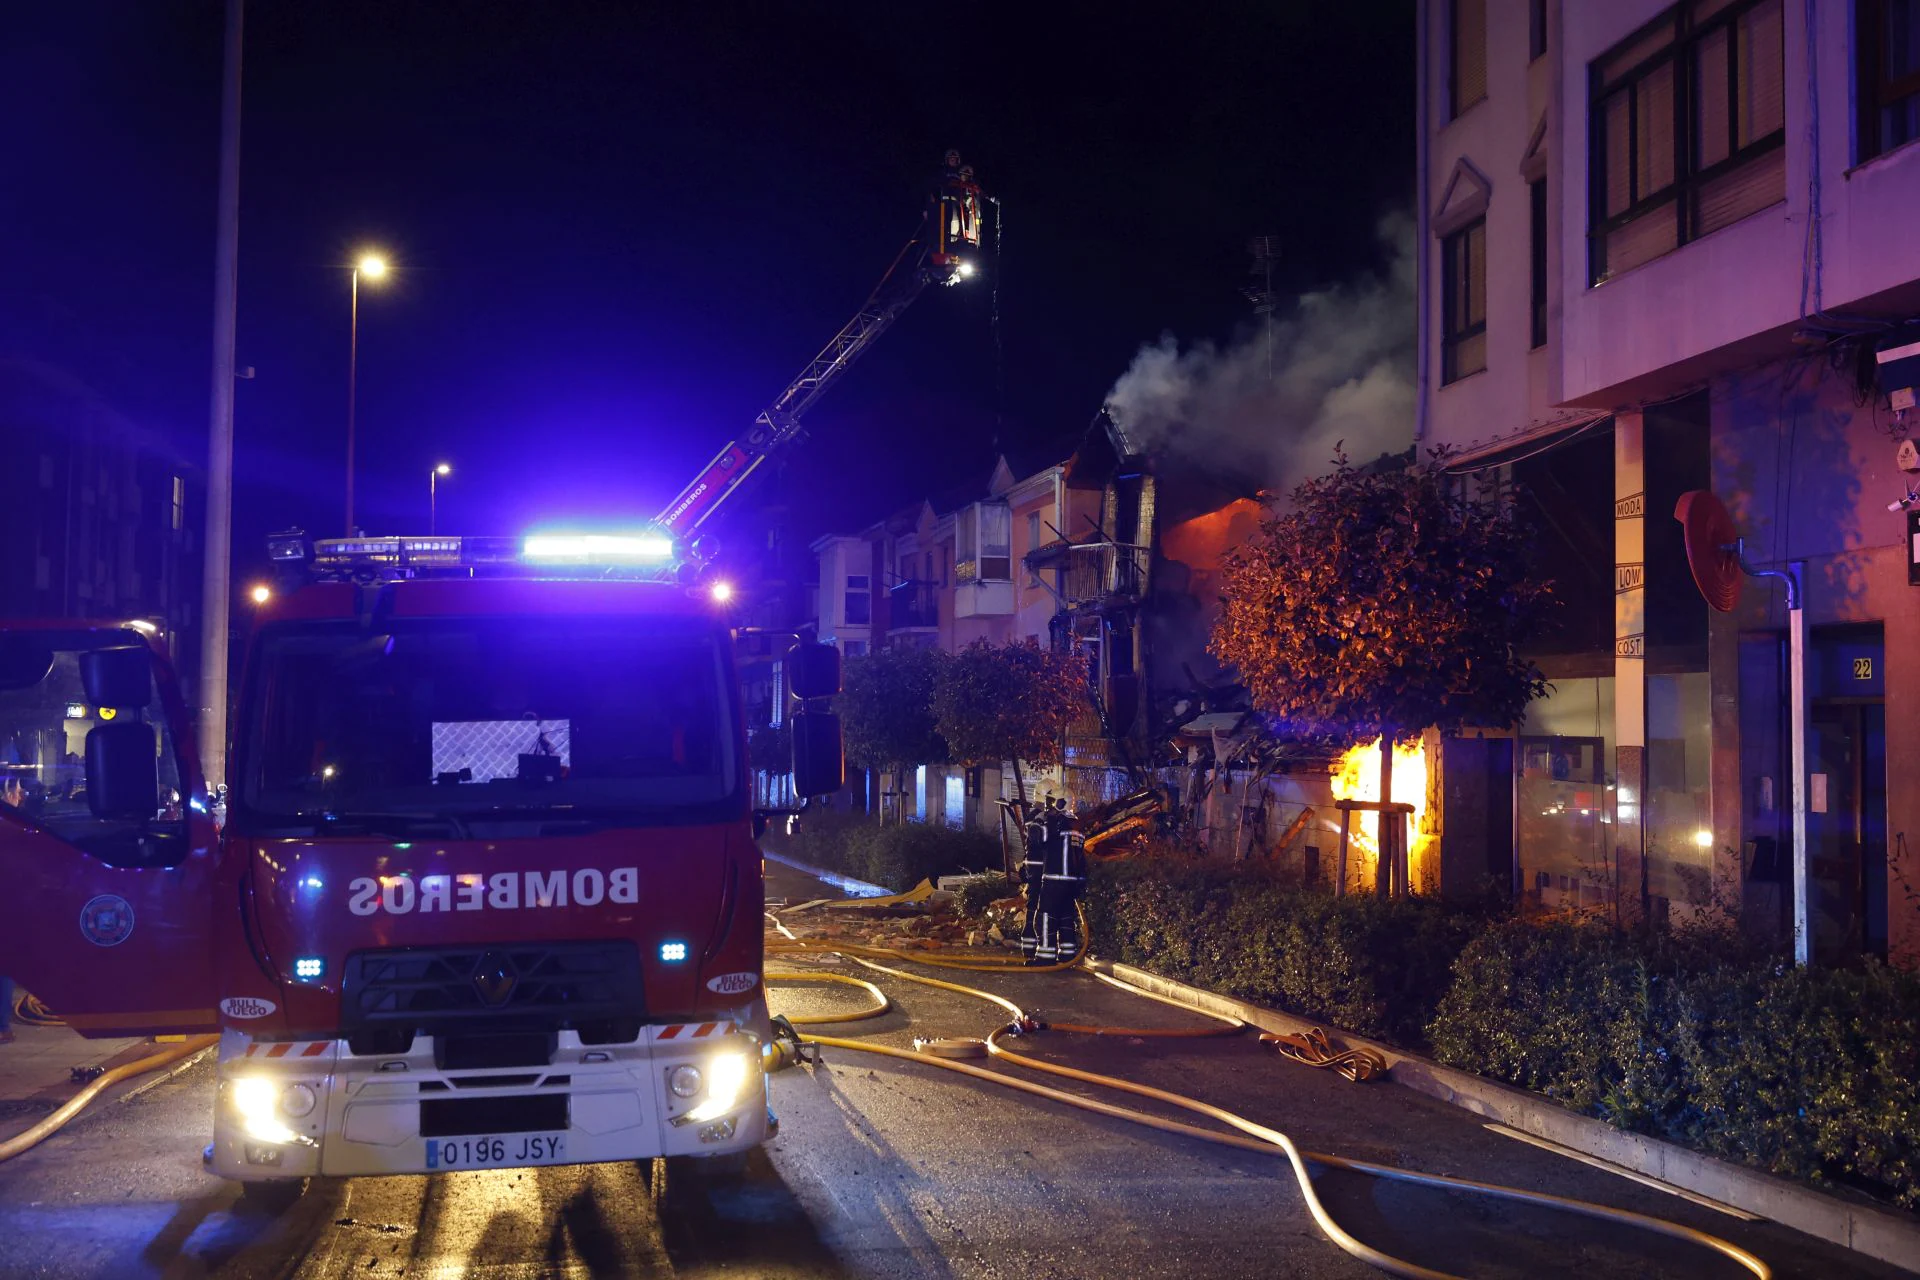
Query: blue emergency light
{"type": "Point", "coordinates": [673, 951]}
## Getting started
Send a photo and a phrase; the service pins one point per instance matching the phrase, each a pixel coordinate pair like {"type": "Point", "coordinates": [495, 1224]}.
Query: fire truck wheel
{"type": "Point", "coordinates": [269, 1199]}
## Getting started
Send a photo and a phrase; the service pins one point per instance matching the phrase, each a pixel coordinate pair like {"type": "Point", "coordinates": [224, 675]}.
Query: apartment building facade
{"type": "Point", "coordinates": [100, 515]}
{"type": "Point", "coordinates": [1665, 248]}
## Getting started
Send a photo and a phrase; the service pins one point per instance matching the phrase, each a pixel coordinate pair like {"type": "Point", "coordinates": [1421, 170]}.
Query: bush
{"type": "Point", "coordinates": [1368, 965]}
{"type": "Point", "coordinates": [898, 856]}
{"type": "Point", "coordinates": [977, 895]}
{"type": "Point", "coordinates": [1696, 1038]}
{"type": "Point", "coordinates": [1812, 1074]}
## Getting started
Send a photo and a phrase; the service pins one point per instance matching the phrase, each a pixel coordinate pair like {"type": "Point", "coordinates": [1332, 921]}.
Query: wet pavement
{"type": "Point", "coordinates": [888, 1169]}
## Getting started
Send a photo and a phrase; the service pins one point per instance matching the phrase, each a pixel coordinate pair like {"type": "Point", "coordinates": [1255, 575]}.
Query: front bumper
{"type": "Point", "coordinates": [366, 1119]}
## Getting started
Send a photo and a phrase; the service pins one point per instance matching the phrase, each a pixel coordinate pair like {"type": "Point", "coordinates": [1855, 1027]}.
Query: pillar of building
{"type": "Point", "coordinates": [1629, 666]}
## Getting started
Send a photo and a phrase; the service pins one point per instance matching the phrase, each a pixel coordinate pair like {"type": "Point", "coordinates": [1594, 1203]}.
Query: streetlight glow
{"type": "Point", "coordinates": [261, 594]}
{"type": "Point", "coordinates": [372, 266]}
{"type": "Point", "coordinates": [443, 470]}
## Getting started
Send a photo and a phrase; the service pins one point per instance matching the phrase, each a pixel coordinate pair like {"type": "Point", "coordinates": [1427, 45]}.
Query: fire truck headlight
{"type": "Point", "coordinates": [684, 1080]}
{"type": "Point", "coordinates": [256, 1101]}
{"type": "Point", "coordinates": [727, 1077]}
{"type": "Point", "coordinates": [298, 1100]}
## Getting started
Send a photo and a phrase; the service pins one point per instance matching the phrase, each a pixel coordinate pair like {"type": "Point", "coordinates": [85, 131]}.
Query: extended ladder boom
{"type": "Point", "coordinates": [942, 251]}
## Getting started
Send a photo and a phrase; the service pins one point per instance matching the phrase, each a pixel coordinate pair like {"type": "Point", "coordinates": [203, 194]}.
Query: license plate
{"type": "Point", "coordinates": [513, 1151]}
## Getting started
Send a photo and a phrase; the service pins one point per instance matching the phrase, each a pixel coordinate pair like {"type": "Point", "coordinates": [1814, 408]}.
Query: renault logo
{"type": "Point", "coordinates": [494, 979]}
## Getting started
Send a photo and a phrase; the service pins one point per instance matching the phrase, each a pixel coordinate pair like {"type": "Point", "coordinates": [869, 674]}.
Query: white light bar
{"type": "Point", "coordinates": [597, 548]}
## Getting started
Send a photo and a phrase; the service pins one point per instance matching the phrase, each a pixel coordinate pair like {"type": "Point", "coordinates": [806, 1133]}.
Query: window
{"type": "Point", "coordinates": [1889, 74]}
{"type": "Point", "coordinates": [853, 648]}
{"type": "Point", "coordinates": [859, 608]}
{"type": "Point", "coordinates": [1536, 28]}
{"type": "Point", "coordinates": [1033, 530]}
{"type": "Point", "coordinates": [1464, 301]}
{"type": "Point", "coordinates": [1688, 126]}
{"type": "Point", "coordinates": [444, 719]}
{"type": "Point", "coordinates": [1468, 32]}
{"type": "Point", "coordinates": [1537, 197]}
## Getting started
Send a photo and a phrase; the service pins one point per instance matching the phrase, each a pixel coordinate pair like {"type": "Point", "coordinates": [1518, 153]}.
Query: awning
{"type": "Point", "coordinates": [1527, 443]}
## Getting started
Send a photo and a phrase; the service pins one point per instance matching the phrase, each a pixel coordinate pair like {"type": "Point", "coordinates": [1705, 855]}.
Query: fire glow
{"type": "Point", "coordinates": [1357, 777]}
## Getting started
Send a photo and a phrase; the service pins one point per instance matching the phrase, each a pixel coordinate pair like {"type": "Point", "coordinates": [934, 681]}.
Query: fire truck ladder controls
{"type": "Point", "coordinates": [944, 250]}
{"type": "Point", "coordinates": [944, 1053]}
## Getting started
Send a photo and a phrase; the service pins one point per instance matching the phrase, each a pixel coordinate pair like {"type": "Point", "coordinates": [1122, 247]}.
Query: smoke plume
{"type": "Point", "coordinates": [1342, 371]}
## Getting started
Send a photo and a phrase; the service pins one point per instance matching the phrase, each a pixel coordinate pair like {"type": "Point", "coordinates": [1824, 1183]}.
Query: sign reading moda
{"type": "Point", "coordinates": [502, 891]}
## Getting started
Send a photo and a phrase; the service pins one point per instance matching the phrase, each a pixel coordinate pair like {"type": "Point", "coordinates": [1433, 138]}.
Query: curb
{"type": "Point", "coordinates": [846, 884]}
{"type": "Point", "coordinates": [1885, 1236]}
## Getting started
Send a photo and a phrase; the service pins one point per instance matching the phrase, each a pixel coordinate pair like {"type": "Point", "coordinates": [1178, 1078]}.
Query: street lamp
{"type": "Point", "coordinates": [433, 496]}
{"type": "Point", "coordinates": [373, 267]}
{"type": "Point", "coordinates": [261, 594]}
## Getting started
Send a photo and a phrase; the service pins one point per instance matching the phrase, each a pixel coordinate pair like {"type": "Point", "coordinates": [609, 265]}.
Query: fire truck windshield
{"type": "Point", "coordinates": [449, 723]}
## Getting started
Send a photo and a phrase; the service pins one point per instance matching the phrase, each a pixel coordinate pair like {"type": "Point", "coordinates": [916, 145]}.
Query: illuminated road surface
{"type": "Point", "coordinates": [883, 1169]}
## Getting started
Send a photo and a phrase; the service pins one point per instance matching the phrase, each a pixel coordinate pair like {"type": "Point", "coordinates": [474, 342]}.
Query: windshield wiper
{"type": "Point", "coordinates": [398, 823]}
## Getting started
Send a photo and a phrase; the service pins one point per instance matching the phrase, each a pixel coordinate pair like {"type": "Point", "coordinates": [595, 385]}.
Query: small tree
{"type": "Point", "coordinates": [1384, 602]}
{"type": "Point", "coordinates": [886, 709]}
{"type": "Point", "coordinates": [997, 703]}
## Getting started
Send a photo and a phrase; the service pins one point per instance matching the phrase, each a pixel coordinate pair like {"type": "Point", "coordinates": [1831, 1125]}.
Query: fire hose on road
{"type": "Point", "coordinates": [166, 1056]}
{"type": "Point", "coordinates": [1312, 1050]}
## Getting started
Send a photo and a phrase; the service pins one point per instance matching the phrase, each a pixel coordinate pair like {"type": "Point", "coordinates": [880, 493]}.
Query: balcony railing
{"type": "Point", "coordinates": [1095, 571]}
{"type": "Point", "coordinates": [912, 604]}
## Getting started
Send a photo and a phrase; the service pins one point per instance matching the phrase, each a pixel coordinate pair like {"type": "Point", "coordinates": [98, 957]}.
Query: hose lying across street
{"type": "Point", "coordinates": [165, 1055]}
{"type": "Point", "coordinates": [944, 1053]}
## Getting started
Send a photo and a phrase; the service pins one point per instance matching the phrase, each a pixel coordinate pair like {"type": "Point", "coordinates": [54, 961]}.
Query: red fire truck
{"type": "Point", "coordinates": [487, 892]}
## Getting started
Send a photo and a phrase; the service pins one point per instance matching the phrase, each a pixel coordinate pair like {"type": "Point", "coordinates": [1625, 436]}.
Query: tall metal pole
{"type": "Point", "coordinates": [433, 501]}
{"type": "Point", "coordinates": [353, 360]}
{"type": "Point", "coordinates": [1797, 749]}
{"type": "Point", "coordinates": [217, 572]}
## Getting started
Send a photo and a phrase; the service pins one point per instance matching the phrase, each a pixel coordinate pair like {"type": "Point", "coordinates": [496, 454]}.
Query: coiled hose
{"type": "Point", "coordinates": [1258, 1137]}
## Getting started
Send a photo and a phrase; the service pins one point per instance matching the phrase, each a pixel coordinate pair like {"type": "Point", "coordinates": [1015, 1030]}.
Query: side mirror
{"type": "Point", "coordinates": [123, 770]}
{"type": "Point", "coordinates": [813, 670]}
{"type": "Point", "coordinates": [819, 753]}
{"type": "Point", "coordinates": [118, 677]}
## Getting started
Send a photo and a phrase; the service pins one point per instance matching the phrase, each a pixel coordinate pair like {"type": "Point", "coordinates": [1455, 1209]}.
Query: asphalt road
{"type": "Point", "coordinates": [886, 1169]}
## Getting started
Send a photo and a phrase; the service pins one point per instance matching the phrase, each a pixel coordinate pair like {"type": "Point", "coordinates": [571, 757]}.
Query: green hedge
{"type": "Point", "coordinates": [1809, 1073]}
{"type": "Point", "coordinates": [1375, 967]}
{"type": "Point", "coordinates": [1698, 1039]}
{"type": "Point", "coordinates": [898, 856]}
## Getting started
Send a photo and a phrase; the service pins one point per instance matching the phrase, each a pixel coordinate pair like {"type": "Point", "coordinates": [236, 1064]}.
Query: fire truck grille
{"type": "Point", "coordinates": [393, 994]}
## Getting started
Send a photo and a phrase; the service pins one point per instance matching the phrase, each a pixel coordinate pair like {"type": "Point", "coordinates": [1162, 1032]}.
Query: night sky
{"type": "Point", "coordinates": [619, 229]}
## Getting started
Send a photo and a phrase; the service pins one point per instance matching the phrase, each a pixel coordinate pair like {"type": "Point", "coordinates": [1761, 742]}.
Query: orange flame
{"type": "Point", "coordinates": [1357, 777]}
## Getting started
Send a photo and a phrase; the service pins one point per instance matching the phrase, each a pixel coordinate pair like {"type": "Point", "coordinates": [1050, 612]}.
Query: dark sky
{"type": "Point", "coordinates": [620, 228]}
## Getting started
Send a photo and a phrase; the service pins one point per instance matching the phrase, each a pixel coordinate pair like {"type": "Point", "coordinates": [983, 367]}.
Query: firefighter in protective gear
{"type": "Point", "coordinates": [1052, 933]}
{"type": "Point", "coordinates": [1033, 834]}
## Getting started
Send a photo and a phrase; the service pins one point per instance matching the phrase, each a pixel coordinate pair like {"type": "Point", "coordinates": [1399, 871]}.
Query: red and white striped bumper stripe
{"type": "Point", "coordinates": [289, 1049]}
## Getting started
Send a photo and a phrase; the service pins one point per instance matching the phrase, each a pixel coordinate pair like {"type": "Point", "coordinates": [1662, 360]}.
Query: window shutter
{"type": "Point", "coordinates": [1469, 53]}
{"type": "Point", "coordinates": [1748, 189]}
{"type": "Point", "coordinates": [1762, 72]}
{"type": "Point", "coordinates": [1712, 134]}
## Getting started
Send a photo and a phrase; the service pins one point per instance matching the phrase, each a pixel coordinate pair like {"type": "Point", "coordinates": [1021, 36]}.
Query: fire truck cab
{"type": "Point", "coordinates": [486, 894]}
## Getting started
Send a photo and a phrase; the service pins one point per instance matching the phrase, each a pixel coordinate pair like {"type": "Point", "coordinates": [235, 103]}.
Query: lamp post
{"type": "Point", "coordinates": [373, 267]}
{"type": "Point", "coordinates": [433, 496]}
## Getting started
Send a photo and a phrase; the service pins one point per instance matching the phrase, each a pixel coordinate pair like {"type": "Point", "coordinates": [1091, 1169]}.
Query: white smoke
{"type": "Point", "coordinates": [1342, 371]}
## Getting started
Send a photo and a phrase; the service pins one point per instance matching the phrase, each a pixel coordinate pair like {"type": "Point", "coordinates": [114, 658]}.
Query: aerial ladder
{"type": "Point", "coordinates": [945, 249]}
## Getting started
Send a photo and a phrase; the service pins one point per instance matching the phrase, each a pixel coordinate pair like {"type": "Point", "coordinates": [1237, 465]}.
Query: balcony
{"type": "Point", "coordinates": [913, 606]}
{"type": "Point", "coordinates": [1092, 572]}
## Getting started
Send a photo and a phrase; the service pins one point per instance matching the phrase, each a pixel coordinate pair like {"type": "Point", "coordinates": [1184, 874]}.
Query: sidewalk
{"type": "Point", "coordinates": [36, 1072]}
